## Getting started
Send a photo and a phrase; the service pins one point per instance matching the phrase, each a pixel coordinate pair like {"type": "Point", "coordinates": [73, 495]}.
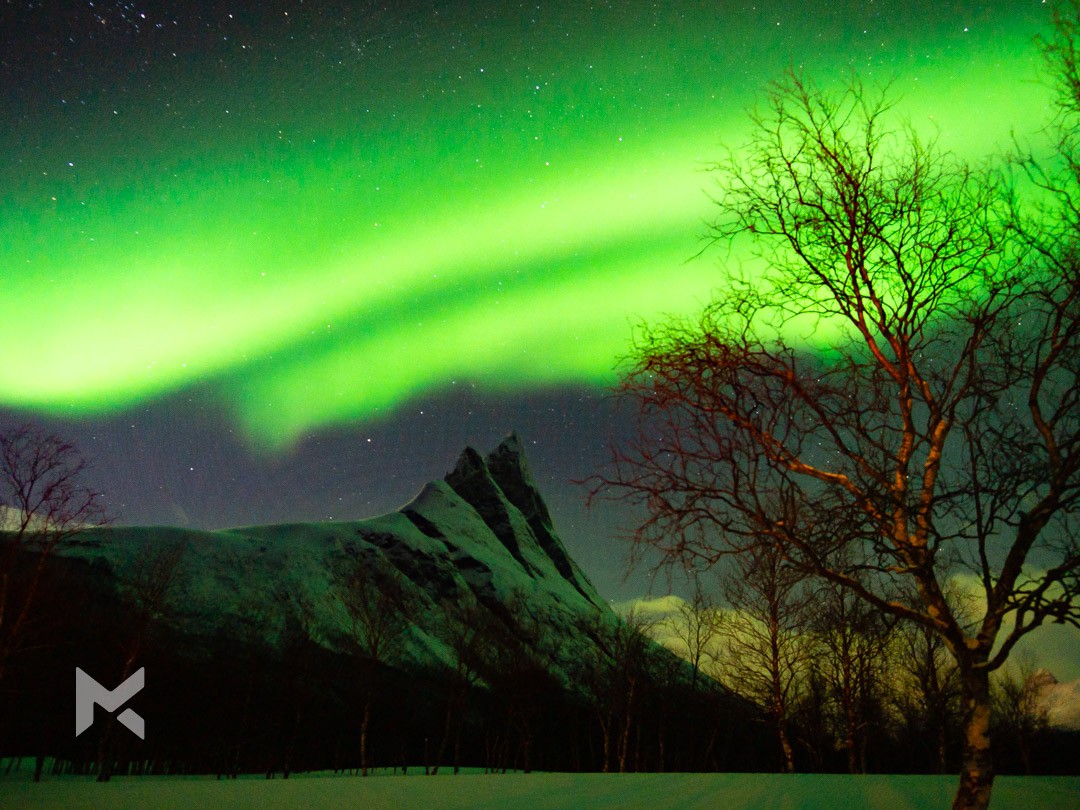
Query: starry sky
{"type": "Point", "coordinates": [281, 260]}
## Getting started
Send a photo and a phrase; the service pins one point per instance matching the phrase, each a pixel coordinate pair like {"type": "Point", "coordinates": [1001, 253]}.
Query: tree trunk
{"type": "Point", "coordinates": [785, 747]}
{"type": "Point", "coordinates": [457, 746]}
{"type": "Point", "coordinates": [447, 729]}
{"type": "Point", "coordinates": [624, 743]}
{"type": "Point", "coordinates": [105, 744]}
{"type": "Point", "coordinates": [363, 738]}
{"type": "Point", "coordinates": [11, 628]}
{"type": "Point", "coordinates": [606, 736]}
{"type": "Point", "coordinates": [942, 746]}
{"type": "Point", "coordinates": [104, 754]}
{"type": "Point", "coordinates": [850, 744]}
{"type": "Point", "coordinates": [660, 745]}
{"type": "Point", "coordinates": [1024, 744]}
{"type": "Point", "coordinates": [976, 764]}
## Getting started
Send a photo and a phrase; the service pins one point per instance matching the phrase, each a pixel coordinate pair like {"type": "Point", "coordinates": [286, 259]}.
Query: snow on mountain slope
{"type": "Point", "coordinates": [484, 531]}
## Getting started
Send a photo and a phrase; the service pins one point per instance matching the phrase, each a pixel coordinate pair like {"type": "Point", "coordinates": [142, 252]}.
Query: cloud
{"type": "Point", "coordinates": [1053, 647]}
{"type": "Point", "coordinates": [659, 607]}
{"type": "Point", "coordinates": [1062, 703]}
{"type": "Point", "coordinates": [667, 618]}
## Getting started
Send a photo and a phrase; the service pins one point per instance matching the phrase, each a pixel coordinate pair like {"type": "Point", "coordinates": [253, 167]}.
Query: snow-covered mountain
{"type": "Point", "coordinates": [504, 652]}
{"type": "Point", "coordinates": [481, 536]}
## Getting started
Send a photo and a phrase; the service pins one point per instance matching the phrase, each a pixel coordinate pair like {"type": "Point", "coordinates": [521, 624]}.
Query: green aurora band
{"type": "Point", "coordinates": [320, 272]}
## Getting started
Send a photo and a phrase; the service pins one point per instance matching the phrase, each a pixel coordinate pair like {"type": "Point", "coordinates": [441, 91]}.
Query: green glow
{"type": "Point", "coordinates": [528, 339]}
{"type": "Point", "coordinates": [327, 271]}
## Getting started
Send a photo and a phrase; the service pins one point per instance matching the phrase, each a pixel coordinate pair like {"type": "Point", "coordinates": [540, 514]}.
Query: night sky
{"type": "Point", "coordinates": [281, 261]}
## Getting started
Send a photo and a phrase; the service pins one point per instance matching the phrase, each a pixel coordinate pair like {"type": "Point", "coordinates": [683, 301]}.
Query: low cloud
{"type": "Point", "coordinates": [1062, 703]}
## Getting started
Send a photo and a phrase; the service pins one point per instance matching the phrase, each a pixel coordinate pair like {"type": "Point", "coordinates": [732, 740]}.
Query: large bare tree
{"type": "Point", "coordinates": [43, 504]}
{"type": "Point", "coordinates": [892, 386]}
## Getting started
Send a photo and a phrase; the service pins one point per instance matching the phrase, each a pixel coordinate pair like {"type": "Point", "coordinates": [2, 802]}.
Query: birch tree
{"type": "Point", "coordinates": [894, 385]}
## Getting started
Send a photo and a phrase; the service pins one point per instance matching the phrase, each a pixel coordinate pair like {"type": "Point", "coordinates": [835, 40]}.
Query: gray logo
{"type": "Point", "coordinates": [88, 692]}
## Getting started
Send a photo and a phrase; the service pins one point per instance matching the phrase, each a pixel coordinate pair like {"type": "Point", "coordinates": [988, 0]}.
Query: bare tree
{"type": "Point", "coordinates": [595, 675]}
{"type": "Point", "coordinates": [766, 639]}
{"type": "Point", "coordinates": [926, 687]}
{"type": "Point", "coordinates": [295, 614]}
{"type": "Point", "coordinates": [149, 587]}
{"type": "Point", "coordinates": [43, 504]}
{"type": "Point", "coordinates": [256, 619]}
{"type": "Point", "coordinates": [613, 676]}
{"type": "Point", "coordinates": [1020, 711]}
{"type": "Point", "coordinates": [521, 680]}
{"type": "Point", "coordinates": [852, 637]}
{"type": "Point", "coordinates": [696, 624]}
{"type": "Point", "coordinates": [631, 647]}
{"type": "Point", "coordinates": [472, 634]}
{"type": "Point", "coordinates": [378, 612]}
{"type": "Point", "coordinates": [1049, 220]}
{"type": "Point", "coordinates": [898, 383]}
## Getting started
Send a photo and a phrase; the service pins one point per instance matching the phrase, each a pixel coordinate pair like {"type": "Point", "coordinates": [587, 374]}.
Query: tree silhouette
{"type": "Point", "coordinates": [43, 504]}
{"type": "Point", "coordinates": [696, 624]}
{"type": "Point", "coordinates": [378, 610]}
{"type": "Point", "coordinates": [767, 646]}
{"type": "Point", "coordinates": [1021, 713]}
{"type": "Point", "coordinates": [926, 689]}
{"type": "Point", "coordinates": [472, 636]}
{"type": "Point", "coordinates": [851, 639]}
{"type": "Point", "coordinates": [151, 587]}
{"type": "Point", "coordinates": [613, 676]}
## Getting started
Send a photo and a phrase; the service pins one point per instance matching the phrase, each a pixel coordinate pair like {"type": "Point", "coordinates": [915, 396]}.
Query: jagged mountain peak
{"type": "Point", "coordinates": [511, 450]}
{"type": "Point", "coordinates": [502, 491]}
{"type": "Point", "coordinates": [506, 464]}
{"type": "Point", "coordinates": [470, 462]}
{"type": "Point", "coordinates": [509, 467]}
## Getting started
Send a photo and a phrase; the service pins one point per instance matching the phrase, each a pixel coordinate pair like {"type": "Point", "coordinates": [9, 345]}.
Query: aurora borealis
{"type": "Point", "coordinates": [307, 223]}
{"type": "Point", "coordinates": [491, 199]}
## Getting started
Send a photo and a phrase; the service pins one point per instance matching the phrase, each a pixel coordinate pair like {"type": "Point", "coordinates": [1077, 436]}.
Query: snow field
{"type": "Point", "coordinates": [537, 790]}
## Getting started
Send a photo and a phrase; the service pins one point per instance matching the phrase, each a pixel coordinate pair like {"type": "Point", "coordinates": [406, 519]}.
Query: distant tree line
{"type": "Point", "coordinates": [267, 696]}
{"type": "Point", "coordinates": [840, 687]}
{"type": "Point", "coordinates": [781, 672]}
{"type": "Point", "coordinates": [265, 687]}
{"type": "Point", "coordinates": [269, 693]}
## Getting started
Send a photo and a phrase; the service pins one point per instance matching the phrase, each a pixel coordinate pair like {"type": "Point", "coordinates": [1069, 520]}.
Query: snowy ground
{"type": "Point", "coordinates": [538, 790]}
